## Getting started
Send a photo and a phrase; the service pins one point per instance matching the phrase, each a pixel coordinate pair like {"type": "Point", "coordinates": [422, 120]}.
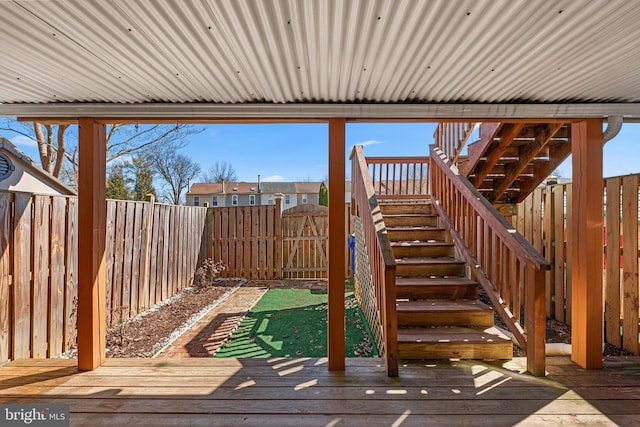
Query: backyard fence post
{"type": "Point", "coordinates": [278, 239]}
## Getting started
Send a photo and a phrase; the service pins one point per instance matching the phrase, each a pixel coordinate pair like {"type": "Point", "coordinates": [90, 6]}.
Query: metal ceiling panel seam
{"type": "Point", "coordinates": [319, 51]}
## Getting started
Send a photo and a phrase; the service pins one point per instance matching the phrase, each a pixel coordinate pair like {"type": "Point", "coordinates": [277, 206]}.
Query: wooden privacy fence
{"type": "Point", "coordinates": [260, 242]}
{"type": "Point", "coordinates": [152, 252]}
{"type": "Point", "coordinates": [543, 218]}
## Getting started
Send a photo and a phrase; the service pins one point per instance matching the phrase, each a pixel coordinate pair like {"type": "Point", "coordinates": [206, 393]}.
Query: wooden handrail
{"type": "Point", "coordinates": [507, 232]}
{"type": "Point", "coordinates": [381, 259]}
{"type": "Point", "coordinates": [505, 264]}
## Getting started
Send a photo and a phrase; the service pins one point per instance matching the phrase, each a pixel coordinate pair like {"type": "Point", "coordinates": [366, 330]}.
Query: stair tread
{"type": "Point", "coordinates": [442, 305]}
{"type": "Point", "coordinates": [410, 215]}
{"type": "Point", "coordinates": [418, 243]}
{"type": "Point", "coordinates": [415, 227]}
{"type": "Point", "coordinates": [434, 281]}
{"type": "Point", "coordinates": [428, 261]}
{"type": "Point", "coordinates": [452, 334]}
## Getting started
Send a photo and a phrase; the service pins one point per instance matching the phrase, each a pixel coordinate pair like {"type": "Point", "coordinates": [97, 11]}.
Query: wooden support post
{"type": "Point", "coordinates": [586, 248]}
{"type": "Point", "coordinates": [336, 252]}
{"type": "Point", "coordinates": [535, 319]}
{"type": "Point", "coordinates": [92, 220]}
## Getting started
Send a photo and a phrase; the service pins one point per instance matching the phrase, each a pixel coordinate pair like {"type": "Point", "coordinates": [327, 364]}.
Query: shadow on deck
{"type": "Point", "coordinates": [296, 392]}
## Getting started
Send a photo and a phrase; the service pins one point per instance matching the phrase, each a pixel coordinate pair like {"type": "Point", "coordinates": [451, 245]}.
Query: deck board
{"type": "Point", "coordinates": [278, 391]}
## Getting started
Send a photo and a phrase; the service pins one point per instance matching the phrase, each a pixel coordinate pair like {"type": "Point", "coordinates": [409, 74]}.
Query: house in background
{"type": "Point", "coordinates": [18, 172]}
{"type": "Point", "coordinates": [253, 194]}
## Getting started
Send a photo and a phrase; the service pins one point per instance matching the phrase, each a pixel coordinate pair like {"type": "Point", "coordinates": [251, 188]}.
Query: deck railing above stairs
{"type": "Point", "coordinates": [509, 269]}
{"type": "Point", "coordinates": [395, 178]}
{"type": "Point", "coordinates": [380, 256]}
{"type": "Point", "coordinates": [451, 137]}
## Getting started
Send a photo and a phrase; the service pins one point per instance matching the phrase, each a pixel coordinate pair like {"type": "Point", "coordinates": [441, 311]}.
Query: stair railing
{"type": "Point", "coordinates": [509, 269]}
{"type": "Point", "coordinates": [451, 137]}
{"type": "Point", "coordinates": [396, 178]}
{"type": "Point", "coordinates": [364, 204]}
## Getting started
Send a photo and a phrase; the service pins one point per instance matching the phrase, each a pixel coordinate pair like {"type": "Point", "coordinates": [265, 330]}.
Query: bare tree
{"type": "Point", "coordinates": [176, 170]}
{"type": "Point", "coordinates": [58, 149]}
{"type": "Point", "coordinates": [219, 172]}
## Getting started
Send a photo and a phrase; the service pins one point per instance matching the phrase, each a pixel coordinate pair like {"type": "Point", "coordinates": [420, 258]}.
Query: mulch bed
{"type": "Point", "coordinates": [147, 333]}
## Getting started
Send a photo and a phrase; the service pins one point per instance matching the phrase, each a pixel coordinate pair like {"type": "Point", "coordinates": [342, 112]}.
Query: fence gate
{"type": "Point", "coordinates": [305, 231]}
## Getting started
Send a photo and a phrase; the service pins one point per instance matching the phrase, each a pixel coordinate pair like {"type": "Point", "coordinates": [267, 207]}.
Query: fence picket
{"type": "Point", "coordinates": [57, 275]}
{"type": "Point", "coordinates": [6, 204]}
{"type": "Point", "coordinates": [630, 263]}
{"type": "Point", "coordinates": [621, 265]}
{"type": "Point", "coordinates": [40, 287]}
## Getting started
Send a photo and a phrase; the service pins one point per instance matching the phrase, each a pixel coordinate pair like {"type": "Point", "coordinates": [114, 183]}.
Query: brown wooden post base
{"type": "Point", "coordinates": [92, 219]}
{"type": "Point", "coordinates": [586, 272]}
{"type": "Point", "coordinates": [336, 245]}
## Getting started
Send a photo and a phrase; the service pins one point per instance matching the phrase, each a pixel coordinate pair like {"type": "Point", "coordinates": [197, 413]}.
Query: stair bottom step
{"type": "Point", "coordinates": [458, 343]}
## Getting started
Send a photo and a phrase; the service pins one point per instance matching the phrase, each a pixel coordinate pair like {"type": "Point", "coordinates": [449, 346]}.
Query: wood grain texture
{"type": "Point", "coordinates": [40, 285]}
{"type": "Point", "coordinates": [21, 278]}
{"type": "Point", "coordinates": [92, 215]}
{"type": "Point", "coordinates": [336, 255]}
{"type": "Point", "coordinates": [294, 392]}
{"type": "Point", "coordinates": [612, 303]}
{"type": "Point", "coordinates": [6, 228]}
{"type": "Point", "coordinates": [57, 276]}
{"type": "Point", "coordinates": [630, 264]}
{"type": "Point", "coordinates": [586, 246]}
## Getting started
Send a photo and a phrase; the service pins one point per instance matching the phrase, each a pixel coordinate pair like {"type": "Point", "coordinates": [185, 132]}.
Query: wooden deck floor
{"type": "Point", "coordinates": [301, 392]}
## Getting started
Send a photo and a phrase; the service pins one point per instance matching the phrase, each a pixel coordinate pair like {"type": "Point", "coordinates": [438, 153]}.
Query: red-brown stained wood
{"type": "Point", "coordinates": [535, 324]}
{"type": "Point", "coordinates": [40, 286]}
{"type": "Point", "coordinates": [557, 193]}
{"type": "Point", "coordinates": [586, 147]}
{"type": "Point", "coordinates": [6, 227]}
{"type": "Point", "coordinates": [91, 244]}
{"type": "Point", "coordinates": [71, 273]}
{"type": "Point", "coordinates": [630, 264]}
{"type": "Point", "coordinates": [612, 298]}
{"type": "Point", "coordinates": [57, 272]}
{"type": "Point", "coordinates": [336, 256]}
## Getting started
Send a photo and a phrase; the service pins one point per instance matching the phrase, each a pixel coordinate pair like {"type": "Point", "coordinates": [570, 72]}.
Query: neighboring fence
{"type": "Point", "coordinates": [247, 239]}
{"type": "Point", "coordinates": [544, 220]}
{"type": "Point", "coordinates": [152, 252]}
{"type": "Point", "coordinates": [259, 242]}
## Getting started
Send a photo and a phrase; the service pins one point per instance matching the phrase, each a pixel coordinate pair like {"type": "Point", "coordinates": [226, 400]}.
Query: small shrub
{"type": "Point", "coordinates": [209, 270]}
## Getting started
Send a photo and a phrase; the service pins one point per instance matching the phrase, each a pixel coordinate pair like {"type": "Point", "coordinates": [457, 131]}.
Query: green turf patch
{"type": "Point", "coordinates": [293, 323]}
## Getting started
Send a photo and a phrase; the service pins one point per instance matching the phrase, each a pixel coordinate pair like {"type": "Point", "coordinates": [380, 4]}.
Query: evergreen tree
{"type": "Point", "coordinates": [116, 186]}
{"type": "Point", "coordinates": [323, 195]}
{"type": "Point", "coordinates": [142, 172]}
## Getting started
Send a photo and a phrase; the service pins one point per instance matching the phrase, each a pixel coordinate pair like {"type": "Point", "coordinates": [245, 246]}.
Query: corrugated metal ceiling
{"type": "Point", "coordinates": [327, 51]}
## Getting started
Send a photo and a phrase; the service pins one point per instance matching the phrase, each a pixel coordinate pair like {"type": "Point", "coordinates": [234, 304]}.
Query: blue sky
{"type": "Point", "coordinates": [290, 152]}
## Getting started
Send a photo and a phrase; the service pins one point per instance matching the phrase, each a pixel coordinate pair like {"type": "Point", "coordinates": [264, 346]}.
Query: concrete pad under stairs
{"type": "Point", "coordinates": [438, 313]}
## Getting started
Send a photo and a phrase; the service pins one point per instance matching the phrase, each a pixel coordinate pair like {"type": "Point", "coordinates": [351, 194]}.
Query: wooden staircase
{"type": "Point", "coordinates": [511, 159]}
{"type": "Point", "coordinates": [438, 311]}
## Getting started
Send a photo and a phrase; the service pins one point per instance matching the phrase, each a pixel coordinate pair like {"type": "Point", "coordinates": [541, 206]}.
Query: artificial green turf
{"type": "Point", "coordinates": [293, 323]}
